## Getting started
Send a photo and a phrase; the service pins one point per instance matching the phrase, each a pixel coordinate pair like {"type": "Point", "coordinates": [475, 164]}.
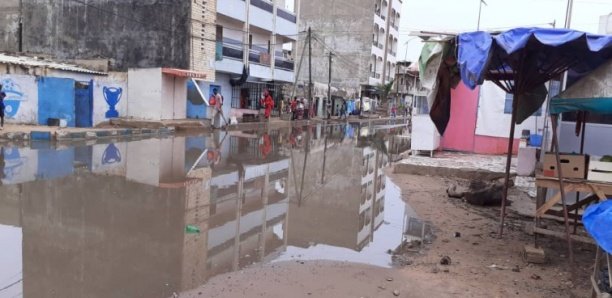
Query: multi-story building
{"type": "Point", "coordinates": [251, 34]}
{"type": "Point", "coordinates": [364, 39]}
{"type": "Point", "coordinates": [407, 87]}
{"type": "Point", "coordinates": [201, 39]}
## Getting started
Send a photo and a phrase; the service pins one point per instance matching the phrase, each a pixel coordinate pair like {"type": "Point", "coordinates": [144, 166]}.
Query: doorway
{"type": "Point", "coordinates": [83, 102]}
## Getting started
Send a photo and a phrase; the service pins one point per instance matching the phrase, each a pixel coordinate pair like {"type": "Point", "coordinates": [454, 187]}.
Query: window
{"type": "Point", "coordinates": [421, 107]}
{"type": "Point", "coordinates": [250, 41]}
{"type": "Point", "coordinates": [269, 47]}
{"type": "Point", "coordinates": [508, 105]}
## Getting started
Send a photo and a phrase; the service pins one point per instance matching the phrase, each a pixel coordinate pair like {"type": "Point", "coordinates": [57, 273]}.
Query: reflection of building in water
{"type": "Point", "coordinates": [249, 205]}
{"type": "Point", "coordinates": [337, 194]}
{"type": "Point", "coordinates": [114, 224]}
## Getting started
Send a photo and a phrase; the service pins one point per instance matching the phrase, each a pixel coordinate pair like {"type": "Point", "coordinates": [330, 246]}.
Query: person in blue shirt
{"type": "Point", "coordinates": [2, 96]}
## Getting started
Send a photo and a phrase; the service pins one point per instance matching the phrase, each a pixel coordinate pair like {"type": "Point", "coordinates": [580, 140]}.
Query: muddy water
{"type": "Point", "coordinates": [148, 218]}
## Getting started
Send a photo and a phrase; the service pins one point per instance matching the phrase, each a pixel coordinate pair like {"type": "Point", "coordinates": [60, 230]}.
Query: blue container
{"type": "Point", "coordinates": [535, 140]}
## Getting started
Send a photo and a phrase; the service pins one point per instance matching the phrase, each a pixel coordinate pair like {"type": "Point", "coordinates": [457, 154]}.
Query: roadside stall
{"type": "Point", "coordinates": [582, 173]}
{"type": "Point", "coordinates": [520, 61]}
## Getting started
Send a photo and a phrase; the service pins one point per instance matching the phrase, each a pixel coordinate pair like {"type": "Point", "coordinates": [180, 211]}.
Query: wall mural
{"type": "Point", "coordinates": [111, 155]}
{"type": "Point", "coordinates": [112, 95]}
{"type": "Point", "coordinates": [14, 97]}
{"type": "Point", "coordinates": [13, 163]}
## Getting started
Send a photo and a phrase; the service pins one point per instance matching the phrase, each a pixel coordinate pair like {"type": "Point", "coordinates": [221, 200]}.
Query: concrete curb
{"type": "Point", "coordinates": [461, 173]}
{"type": "Point", "coordinates": [70, 136]}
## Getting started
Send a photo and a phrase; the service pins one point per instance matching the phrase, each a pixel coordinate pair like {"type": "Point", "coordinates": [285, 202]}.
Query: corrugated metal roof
{"type": "Point", "coordinates": [43, 63]}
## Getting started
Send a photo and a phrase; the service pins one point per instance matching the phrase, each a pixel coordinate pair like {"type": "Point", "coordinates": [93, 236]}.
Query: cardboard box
{"type": "Point", "coordinates": [573, 165]}
{"type": "Point", "coordinates": [600, 171]}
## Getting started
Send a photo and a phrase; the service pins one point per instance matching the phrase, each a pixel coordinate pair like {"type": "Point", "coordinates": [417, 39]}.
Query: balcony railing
{"type": "Point", "coordinates": [259, 57]}
{"type": "Point", "coordinates": [396, 27]}
{"type": "Point", "coordinates": [231, 49]}
{"type": "Point", "coordinates": [383, 17]}
{"type": "Point", "coordinates": [284, 64]}
{"type": "Point", "coordinates": [281, 13]}
{"type": "Point", "coordinates": [263, 4]}
{"type": "Point", "coordinates": [380, 46]}
{"type": "Point", "coordinates": [375, 43]}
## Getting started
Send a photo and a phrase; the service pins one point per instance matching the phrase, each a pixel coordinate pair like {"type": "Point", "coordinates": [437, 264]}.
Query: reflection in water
{"type": "Point", "coordinates": [109, 220]}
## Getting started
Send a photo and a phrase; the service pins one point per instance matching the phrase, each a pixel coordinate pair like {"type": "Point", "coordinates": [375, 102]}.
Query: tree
{"type": "Point", "coordinates": [384, 90]}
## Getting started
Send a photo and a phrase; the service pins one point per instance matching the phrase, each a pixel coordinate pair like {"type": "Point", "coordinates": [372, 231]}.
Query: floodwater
{"type": "Point", "coordinates": [153, 217]}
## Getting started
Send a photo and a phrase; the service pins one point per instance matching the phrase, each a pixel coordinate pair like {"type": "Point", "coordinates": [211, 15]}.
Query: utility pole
{"type": "Point", "coordinates": [480, 12]}
{"type": "Point", "coordinates": [329, 85]}
{"type": "Point", "coordinates": [568, 13]}
{"type": "Point", "coordinates": [309, 66]}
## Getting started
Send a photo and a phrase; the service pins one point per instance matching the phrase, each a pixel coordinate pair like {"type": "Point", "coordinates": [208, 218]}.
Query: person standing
{"type": "Point", "coordinates": [306, 108]}
{"type": "Point", "coordinates": [393, 111]}
{"type": "Point", "coordinates": [294, 104]}
{"type": "Point", "coordinates": [2, 97]}
{"type": "Point", "coordinates": [216, 102]}
{"type": "Point", "coordinates": [268, 104]}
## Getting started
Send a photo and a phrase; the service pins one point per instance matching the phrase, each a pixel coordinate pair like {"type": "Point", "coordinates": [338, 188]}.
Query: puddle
{"type": "Point", "coordinates": [148, 218]}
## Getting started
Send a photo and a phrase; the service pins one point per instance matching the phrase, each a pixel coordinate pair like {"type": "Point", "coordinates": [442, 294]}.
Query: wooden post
{"type": "Point", "coordinates": [554, 120]}
{"type": "Point", "coordinates": [508, 164]}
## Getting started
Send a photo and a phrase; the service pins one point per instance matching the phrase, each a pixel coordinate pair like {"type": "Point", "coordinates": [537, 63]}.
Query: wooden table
{"type": "Point", "coordinates": [599, 191]}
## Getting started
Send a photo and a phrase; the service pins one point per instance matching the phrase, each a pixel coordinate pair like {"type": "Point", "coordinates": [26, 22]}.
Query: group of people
{"type": "Point", "coordinates": [216, 103]}
{"type": "Point", "coordinates": [299, 108]}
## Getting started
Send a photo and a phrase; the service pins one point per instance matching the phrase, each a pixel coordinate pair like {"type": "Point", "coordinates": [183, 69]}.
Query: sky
{"type": "Point", "coordinates": [462, 15]}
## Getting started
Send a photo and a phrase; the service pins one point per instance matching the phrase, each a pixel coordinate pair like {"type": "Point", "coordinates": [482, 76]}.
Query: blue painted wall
{"type": "Point", "coordinates": [195, 111]}
{"type": "Point", "coordinates": [56, 100]}
{"type": "Point", "coordinates": [53, 164]}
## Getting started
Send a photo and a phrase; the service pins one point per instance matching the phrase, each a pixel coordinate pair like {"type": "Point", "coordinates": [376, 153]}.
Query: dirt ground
{"type": "Point", "coordinates": [482, 265]}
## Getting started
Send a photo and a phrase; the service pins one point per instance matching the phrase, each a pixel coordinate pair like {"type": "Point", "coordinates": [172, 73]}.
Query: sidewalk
{"type": "Point", "coordinates": [26, 133]}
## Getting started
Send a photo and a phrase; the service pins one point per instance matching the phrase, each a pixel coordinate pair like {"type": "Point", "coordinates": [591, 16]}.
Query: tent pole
{"type": "Point", "coordinates": [508, 165]}
{"type": "Point", "coordinates": [582, 136]}
{"type": "Point", "coordinates": [554, 120]}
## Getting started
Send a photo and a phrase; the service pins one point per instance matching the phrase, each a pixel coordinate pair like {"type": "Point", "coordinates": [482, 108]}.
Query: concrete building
{"type": "Point", "coordinates": [250, 34]}
{"type": "Point", "coordinates": [407, 85]}
{"type": "Point", "coordinates": [364, 38]}
{"type": "Point", "coordinates": [165, 33]}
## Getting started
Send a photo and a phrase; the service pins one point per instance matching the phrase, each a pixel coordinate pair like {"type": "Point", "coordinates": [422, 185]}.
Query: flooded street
{"type": "Point", "coordinates": [153, 217]}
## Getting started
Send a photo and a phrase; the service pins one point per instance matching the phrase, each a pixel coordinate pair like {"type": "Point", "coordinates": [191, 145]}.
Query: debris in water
{"type": "Point", "coordinates": [535, 277]}
{"type": "Point", "coordinates": [396, 292]}
{"type": "Point", "coordinates": [389, 278]}
{"type": "Point", "coordinates": [457, 234]}
{"type": "Point", "coordinates": [191, 229]}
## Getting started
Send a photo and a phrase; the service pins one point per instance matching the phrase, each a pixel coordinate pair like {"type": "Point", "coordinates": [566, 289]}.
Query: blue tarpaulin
{"type": "Point", "coordinates": [597, 221]}
{"type": "Point", "coordinates": [481, 52]}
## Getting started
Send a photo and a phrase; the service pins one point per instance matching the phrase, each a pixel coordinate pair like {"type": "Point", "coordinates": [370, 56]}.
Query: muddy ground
{"type": "Point", "coordinates": [481, 264]}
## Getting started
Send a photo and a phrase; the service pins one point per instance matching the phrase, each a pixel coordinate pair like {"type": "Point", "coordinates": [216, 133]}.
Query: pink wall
{"type": "Point", "coordinates": [493, 145]}
{"type": "Point", "coordinates": [459, 135]}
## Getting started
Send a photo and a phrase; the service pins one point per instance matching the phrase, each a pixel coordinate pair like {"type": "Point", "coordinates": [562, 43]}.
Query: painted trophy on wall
{"type": "Point", "coordinates": [112, 95]}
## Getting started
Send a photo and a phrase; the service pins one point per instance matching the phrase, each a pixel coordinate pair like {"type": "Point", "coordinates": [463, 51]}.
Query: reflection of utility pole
{"type": "Point", "coordinates": [324, 158]}
{"type": "Point", "coordinates": [306, 152]}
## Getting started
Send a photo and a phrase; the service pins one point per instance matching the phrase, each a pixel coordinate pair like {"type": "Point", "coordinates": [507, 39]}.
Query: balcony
{"type": "Point", "coordinates": [263, 4]}
{"type": "Point", "coordinates": [289, 16]}
{"type": "Point", "coordinates": [259, 56]}
{"type": "Point", "coordinates": [282, 63]}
